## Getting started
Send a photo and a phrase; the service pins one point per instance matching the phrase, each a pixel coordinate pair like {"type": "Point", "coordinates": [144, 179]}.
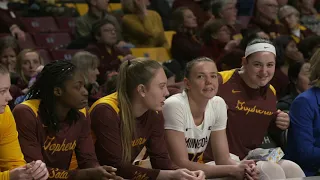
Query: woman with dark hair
{"type": "Point", "coordinates": [299, 82]}
{"type": "Point", "coordinates": [287, 53]}
{"type": "Point", "coordinates": [217, 40]}
{"type": "Point", "coordinates": [185, 43]}
{"type": "Point", "coordinates": [53, 123]}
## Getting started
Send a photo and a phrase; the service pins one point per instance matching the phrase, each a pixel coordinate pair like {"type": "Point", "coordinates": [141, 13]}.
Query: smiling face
{"type": "Point", "coordinates": [202, 81]}
{"type": "Point", "coordinates": [259, 67]}
{"type": "Point", "coordinates": [8, 58]}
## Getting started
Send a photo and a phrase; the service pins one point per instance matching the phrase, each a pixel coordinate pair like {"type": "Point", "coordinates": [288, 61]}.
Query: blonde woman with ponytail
{"type": "Point", "coordinates": [128, 124]}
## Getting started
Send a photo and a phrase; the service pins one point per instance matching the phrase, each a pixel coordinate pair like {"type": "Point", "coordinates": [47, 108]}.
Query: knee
{"type": "Point", "coordinates": [270, 170]}
{"type": "Point", "coordinates": [291, 168]}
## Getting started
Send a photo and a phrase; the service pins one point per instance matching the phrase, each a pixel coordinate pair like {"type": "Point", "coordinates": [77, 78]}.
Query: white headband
{"type": "Point", "coordinates": [260, 47]}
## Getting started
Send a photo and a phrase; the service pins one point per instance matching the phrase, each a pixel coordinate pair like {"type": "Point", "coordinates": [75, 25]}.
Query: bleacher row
{"type": "Point", "coordinates": [50, 35]}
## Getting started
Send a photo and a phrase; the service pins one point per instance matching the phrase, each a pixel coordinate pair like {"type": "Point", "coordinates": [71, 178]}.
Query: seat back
{"type": "Point", "coordinates": [61, 54]}
{"type": "Point", "coordinates": [52, 40]}
{"type": "Point", "coordinates": [39, 24]}
{"type": "Point", "coordinates": [158, 54]}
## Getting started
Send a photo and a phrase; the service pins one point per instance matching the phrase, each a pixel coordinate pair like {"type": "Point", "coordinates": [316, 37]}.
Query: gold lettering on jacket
{"type": "Point", "coordinates": [140, 176]}
{"type": "Point", "coordinates": [56, 147]}
{"type": "Point", "coordinates": [241, 106]}
{"type": "Point", "coordinates": [138, 142]}
{"type": "Point", "coordinates": [56, 174]}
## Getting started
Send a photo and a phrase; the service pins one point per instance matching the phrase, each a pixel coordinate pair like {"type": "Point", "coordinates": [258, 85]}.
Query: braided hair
{"type": "Point", "coordinates": [53, 75]}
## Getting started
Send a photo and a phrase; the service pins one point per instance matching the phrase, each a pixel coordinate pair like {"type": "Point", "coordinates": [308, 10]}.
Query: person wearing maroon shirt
{"type": "Point", "coordinates": [265, 17]}
{"type": "Point", "coordinates": [53, 123]}
{"type": "Point", "coordinates": [128, 124]}
{"type": "Point", "coordinates": [217, 41]}
{"type": "Point", "coordinates": [290, 17]}
{"type": "Point", "coordinates": [195, 6]}
{"type": "Point", "coordinates": [251, 102]}
{"type": "Point", "coordinates": [185, 44]}
{"type": "Point", "coordinates": [287, 54]}
{"type": "Point", "coordinates": [106, 49]}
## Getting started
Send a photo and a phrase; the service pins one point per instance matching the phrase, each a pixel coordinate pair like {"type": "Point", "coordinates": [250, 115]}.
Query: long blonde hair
{"type": "Point", "coordinates": [315, 69]}
{"type": "Point", "coordinates": [131, 74]}
{"type": "Point", "coordinates": [84, 61]}
{"type": "Point", "coordinates": [20, 58]}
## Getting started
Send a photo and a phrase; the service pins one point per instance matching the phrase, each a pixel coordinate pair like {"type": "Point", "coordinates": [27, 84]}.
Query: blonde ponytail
{"type": "Point", "coordinates": [131, 74]}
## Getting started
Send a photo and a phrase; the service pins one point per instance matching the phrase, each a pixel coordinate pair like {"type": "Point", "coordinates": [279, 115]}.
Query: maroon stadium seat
{"type": "Point", "coordinates": [63, 54]}
{"type": "Point", "coordinates": [45, 55]}
{"type": "Point", "coordinates": [28, 43]}
{"type": "Point", "coordinates": [52, 40]}
{"type": "Point", "coordinates": [39, 24]}
{"type": "Point", "coordinates": [67, 24]}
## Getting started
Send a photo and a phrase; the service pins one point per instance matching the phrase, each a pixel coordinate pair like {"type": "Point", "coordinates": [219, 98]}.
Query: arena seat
{"type": "Point", "coordinates": [39, 24]}
{"type": "Point", "coordinates": [169, 35]}
{"type": "Point", "coordinates": [52, 40]}
{"type": "Point", "coordinates": [158, 54]}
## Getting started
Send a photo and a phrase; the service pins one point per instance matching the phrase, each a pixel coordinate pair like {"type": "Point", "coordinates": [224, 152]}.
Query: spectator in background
{"type": "Point", "coordinates": [290, 17]}
{"type": "Point", "coordinates": [88, 64]}
{"type": "Point", "coordinates": [185, 44]}
{"type": "Point", "coordinates": [196, 7]}
{"type": "Point", "coordinates": [309, 46]}
{"type": "Point", "coordinates": [106, 49]}
{"type": "Point", "coordinates": [298, 75]}
{"type": "Point", "coordinates": [217, 40]}
{"type": "Point", "coordinates": [309, 15]}
{"type": "Point", "coordinates": [227, 10]}
{"type": "Point", "coordinates": [8, 52]}
{"type": "Point", "coordinates": [266, 12]}
{"type": "Point", "coordinates": [9, 24]}
{"type": "Point", "coordinates": [28, 62]}
{"type": "Point", "coordinates": [287, 54]}
{"type": "Point", "coordinates": [97, 11]}
{"type": "Point", "coordinates": [303, 136]}
{"type": "Point", "coordinates": [142, 27]}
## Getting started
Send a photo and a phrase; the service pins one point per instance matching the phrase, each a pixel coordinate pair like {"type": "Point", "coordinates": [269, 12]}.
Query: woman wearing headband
{"type": "Point", "coordinates": [251, 102]}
